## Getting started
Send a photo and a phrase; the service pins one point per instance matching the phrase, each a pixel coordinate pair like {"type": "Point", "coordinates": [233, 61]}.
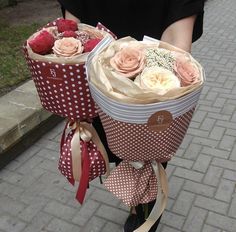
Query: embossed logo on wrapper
{"type": "Point", "coordinates": [160, 121]}
{"type": "Point", "coordinates": [52, 73]}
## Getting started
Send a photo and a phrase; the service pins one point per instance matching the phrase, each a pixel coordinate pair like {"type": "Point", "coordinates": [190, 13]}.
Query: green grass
{"type": "Point", "coordinates": [13, 68]}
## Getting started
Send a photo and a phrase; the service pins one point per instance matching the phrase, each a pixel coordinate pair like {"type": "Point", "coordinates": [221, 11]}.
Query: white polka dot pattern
{"type": "Point", "coordinates": [136, 142]}
{"type": "Point", "coordinates": [62, 88]}
{"type": "Point", "coordinates": [97, 166]}
{"type": "Point", "coordinates": [133, 186]}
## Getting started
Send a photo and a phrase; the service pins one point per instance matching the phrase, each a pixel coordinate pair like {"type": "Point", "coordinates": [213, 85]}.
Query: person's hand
{"type": "Point", "coordinates": [180, 33]}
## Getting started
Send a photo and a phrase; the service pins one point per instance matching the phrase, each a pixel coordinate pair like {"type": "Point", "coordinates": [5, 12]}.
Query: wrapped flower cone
{"type": "Point", "coordinates": [146, 93]}
{"type": "Point", "coordinates": [56, 56]}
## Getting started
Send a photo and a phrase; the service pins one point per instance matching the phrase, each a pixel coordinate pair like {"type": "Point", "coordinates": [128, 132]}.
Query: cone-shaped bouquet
{"type": "Point", "coordinates": [146, 93]}
{"type": "Point", "coordinates": [56, 55]}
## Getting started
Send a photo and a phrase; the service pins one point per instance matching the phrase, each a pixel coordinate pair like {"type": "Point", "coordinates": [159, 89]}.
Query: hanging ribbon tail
{"type": "Point", "coordinates": [97, 141]}
{"type": "Point", "coordinates": [71, 181]}
{"type": "Point", "coordinates": [161, 200]}
{"type": "Point", "coordinates": [84, 180]}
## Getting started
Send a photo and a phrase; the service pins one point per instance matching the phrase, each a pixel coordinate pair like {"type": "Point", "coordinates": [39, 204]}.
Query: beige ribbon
{"type": "Point", "coordinates": [86, 132]}
{"type": "Point", "coordinates": [162, 195]}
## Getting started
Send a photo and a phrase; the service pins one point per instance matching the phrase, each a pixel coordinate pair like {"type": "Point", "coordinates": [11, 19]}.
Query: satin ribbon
{"type": "Point", "coordinates": [80, 159]}
{"type": "Point", "coordinates": [162, 195]}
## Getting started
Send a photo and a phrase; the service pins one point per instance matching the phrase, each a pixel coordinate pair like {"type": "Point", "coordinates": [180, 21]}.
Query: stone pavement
{"type": "Point", "coordinates": [35, 197]}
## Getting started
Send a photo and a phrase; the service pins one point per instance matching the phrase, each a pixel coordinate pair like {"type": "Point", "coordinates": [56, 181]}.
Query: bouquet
{"type": "Point", "coordinates": [146, 93]}
{"type": "Point", "coordinates": [56, 56]}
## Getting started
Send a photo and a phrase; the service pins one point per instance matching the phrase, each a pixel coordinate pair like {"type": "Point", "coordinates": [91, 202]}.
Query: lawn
{"type": "Point", "coordinates": [13, 69]}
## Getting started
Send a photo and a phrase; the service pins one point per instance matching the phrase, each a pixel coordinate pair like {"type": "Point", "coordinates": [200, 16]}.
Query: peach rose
{"type": "Point", "coordinates": [67, 47]}
{"type": "Point", "coordinates": [157, 79]}
{"type": "Point", "coordinates": [129, 61]}
{"type": "Point", "coordinates": [186, 69]}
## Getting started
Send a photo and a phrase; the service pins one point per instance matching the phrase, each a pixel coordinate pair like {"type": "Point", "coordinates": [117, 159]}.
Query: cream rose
{"type": "Point", "coordinates": [129, 61]}
{"type": "Point", "coordinates": [186, 69]}
{"type": "Point", "coordinates": [67, 47]}
{"type": "Point", "coordinates": [157, 79]}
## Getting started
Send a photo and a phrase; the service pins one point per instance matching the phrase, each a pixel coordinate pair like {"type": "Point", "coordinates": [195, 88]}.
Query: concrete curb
{"type": "Point", "coordinates": [22, 121]}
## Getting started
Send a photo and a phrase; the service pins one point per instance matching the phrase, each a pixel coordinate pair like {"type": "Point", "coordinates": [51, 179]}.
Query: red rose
{"type": "Point", "coordinates": [90, 45]}
{"type": "Point", "coordinates": [66, 25]}
{"type": "Point", "coordinates": [69, 34]}
{"type": "Point", "coordinates": [42, 43]}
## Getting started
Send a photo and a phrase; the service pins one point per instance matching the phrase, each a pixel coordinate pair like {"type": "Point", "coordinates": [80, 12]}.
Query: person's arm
{"type": "Point", "coordinates": [180, 33]}
{"type": "Point", "coordinates": [68, 15]}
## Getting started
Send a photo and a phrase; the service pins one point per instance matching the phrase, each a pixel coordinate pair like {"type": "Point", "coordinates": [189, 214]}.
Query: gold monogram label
{"type": "Point", "coordinates": [160, 121]}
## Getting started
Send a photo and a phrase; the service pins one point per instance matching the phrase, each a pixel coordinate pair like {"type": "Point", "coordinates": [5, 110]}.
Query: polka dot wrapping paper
{"type": "Point", "coordinates": [92, 162]}
{"type": "Point", "coordinates": [140, 126]}
{"type": "Point", "coordinates": [62, 87]}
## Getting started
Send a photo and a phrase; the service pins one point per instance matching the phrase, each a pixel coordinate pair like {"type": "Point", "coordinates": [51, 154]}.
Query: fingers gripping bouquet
{"type": "Point", "coordinates": [56, 57]}
{"type": "Point", "coordinates": [146, 92]}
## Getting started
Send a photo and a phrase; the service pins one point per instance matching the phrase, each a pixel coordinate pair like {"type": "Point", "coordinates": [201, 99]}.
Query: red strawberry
{"type": "Point", "coordinates": [69, 34]}
{"type": "Point", "coordinates": [42, 43]}
{"type": "Point", "coordinates": [91, 44]}
{"type": "Point", "coordinates": [66, 25]}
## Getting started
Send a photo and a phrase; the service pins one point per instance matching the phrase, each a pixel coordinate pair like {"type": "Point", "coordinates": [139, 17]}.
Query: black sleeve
{"type": "Point", "coordinates": [75, 7]}
{"type": "Point", "coordinates": [179, 9]}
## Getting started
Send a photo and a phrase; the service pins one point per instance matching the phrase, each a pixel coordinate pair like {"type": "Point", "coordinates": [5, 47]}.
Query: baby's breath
{"type": "Point", "coordinates": [160, 58]}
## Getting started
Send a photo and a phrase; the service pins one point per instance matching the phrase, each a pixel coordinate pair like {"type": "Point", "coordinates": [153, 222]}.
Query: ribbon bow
{"type": "Point", "coordinates": [80, 158]}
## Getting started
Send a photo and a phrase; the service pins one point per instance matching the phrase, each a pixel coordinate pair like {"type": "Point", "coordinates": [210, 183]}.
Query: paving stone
{"type": "Point", "coordinates": [208, 228]}
{"type": "Point", "coordinates": [195, 220]}
{"type": "Point", "coordinates": [58, 225]}
{"type": "Point", "coordinates": [233, 154]}
{"type": "Point", "coordinates": [211, 204]}
{"type": "Point", "coordinates": [112, 214]}
{"type": "Point", "coordinates": [225, 190]}
{"type": "Point", "coordinates": [230, 175]}
{"type": "Point", "coordinates": [105, 197]}
{"type": "Point", "coordinates": [95, 224]}
{"type": "Point", "coordinates": [85, 213]}
{"type": "Point", "coordinates": [11, 224]}
{"type": "Point", "coordinates": [222, 222]}
{"type": "Point", "coordinates": [205, 142]}
{"type": "Point", "coordinates": [232, 210]}
{"type": "Point", "coordinates": [216, 152]}
{"type": "Point", "coordinates": [10, 176]}
{"type": "Point", "coordinates": [227, 143]}
{"type": "Point", "coordinates": [175, 185]}
{"type": "Point", "coordinates": [60, 210]}
{"type": "Point", "coordinates": [217, 133]}
{"type": "Point", "coordinates": [183, 203]}
{"type": "Point", "coordinates": [10, 190]}
{"type": "Point", "coordinates": [38, 222]}
{"type": "Point", "coordinates": [188, 174]}
{"type": "Point", "coordinates": [200, 189]}
{"type": "Point", "coordinates": [202, 163]}
{"type": "Point", "coordinates": [229, 164]}
{"type": "Point", "coordinates": [193, 151]}
{"type": "Point", "coordinates": [10, 206]}
{"type": "Point", "coordinates": [169, 229]}
{"type": "Point", "coordinates": [207, 124]}
{"type": "Point", "coordinates": [112, 227]}
{"type": "Point", "coordinates": [173, 220]}
{"type": "Point", "coordinates": [185, 163]}
{"type": "Point", "coordinates": [213, 176]}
